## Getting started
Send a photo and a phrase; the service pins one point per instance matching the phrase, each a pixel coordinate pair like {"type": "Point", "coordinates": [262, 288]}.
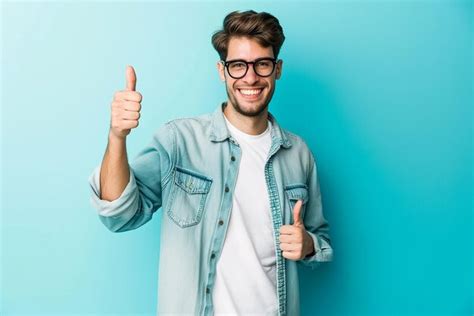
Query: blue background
{"type": "Point", "coordinates": [381, 91]}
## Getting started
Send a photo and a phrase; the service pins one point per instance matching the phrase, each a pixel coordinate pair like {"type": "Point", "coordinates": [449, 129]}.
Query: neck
{"type": "Point", "coordinates": [253, 125]}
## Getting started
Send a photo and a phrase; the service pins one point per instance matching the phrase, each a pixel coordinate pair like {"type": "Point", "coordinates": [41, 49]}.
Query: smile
{"type": "Point", "coordinates": [250, 93]}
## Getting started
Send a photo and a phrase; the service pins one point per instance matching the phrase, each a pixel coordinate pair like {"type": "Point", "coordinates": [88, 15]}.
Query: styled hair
{"type": "Point", "coordinates": [263, 27]}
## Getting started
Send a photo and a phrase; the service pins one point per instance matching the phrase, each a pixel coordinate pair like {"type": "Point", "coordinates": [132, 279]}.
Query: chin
{"type": "Point", "coordinates": [247, 107]}
{"type": "Point", "coordinates": [250, 110]}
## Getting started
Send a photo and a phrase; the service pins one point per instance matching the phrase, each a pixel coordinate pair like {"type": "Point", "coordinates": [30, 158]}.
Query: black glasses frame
{"type": "Point", "coordinates": [228, 62]}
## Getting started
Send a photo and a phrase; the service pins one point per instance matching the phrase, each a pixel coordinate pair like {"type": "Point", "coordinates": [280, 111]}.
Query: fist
{"type": "Point", "coordinates": [126, 106]}
{"type": "Point", "coordinates": [295, 242]}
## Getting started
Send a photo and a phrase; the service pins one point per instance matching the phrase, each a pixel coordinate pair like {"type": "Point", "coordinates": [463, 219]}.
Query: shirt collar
{"type": "Point", "coordinates": [219, 131]}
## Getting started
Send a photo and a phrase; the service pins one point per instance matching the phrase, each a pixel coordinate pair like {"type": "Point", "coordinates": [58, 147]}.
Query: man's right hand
{"type": "Point", "coordinates": [125, 107]}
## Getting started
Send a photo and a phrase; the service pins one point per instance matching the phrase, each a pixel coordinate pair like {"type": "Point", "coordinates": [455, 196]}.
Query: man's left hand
{"type": "Point", "coordinates": [295, 242]}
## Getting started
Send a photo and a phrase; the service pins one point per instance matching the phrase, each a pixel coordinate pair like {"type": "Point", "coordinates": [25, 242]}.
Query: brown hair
{"type": "Point", "coordinates": [263, 27]}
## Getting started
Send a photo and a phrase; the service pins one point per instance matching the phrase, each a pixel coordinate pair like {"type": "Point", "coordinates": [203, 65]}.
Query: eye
{"type": "Point", "coordinates": [237, 65]}
{"type": "Point", "coordinates": [263, 63]}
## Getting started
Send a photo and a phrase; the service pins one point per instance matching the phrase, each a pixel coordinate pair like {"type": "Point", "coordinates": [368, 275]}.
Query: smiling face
{"type": "Point", "coordinates": [251, 94]}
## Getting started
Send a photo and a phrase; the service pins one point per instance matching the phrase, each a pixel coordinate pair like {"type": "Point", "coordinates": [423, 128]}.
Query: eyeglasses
{"type": "Point", "coordinates": [238, 68]}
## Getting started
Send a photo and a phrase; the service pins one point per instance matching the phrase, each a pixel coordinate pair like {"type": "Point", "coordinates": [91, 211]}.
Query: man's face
{"type": "Point", "coordinates": [251, 94]}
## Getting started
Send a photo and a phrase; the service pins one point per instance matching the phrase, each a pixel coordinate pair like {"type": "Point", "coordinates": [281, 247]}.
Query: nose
{"type": "Point", "coordinates": [250, 77]}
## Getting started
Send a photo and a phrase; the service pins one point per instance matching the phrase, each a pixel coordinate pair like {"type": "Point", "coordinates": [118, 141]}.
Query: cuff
{"type": "Point", "coordinates": [322, 252]}
{"type": "Point", "coordinates": [124, 206]}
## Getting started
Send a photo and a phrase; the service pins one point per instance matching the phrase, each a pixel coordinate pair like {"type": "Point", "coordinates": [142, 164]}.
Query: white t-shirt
{"type": "Point", "coordinates": [246, 270]}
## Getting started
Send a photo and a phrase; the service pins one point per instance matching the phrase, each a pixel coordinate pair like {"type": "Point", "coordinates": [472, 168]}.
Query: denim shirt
{"type": "Point", "coordinates": [189, 169]}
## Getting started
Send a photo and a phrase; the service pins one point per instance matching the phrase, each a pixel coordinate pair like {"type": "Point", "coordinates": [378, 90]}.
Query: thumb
{"type": "Point", "coordinates": [297, 214]}
{"type": "Point", "coordinates": [131, 80]}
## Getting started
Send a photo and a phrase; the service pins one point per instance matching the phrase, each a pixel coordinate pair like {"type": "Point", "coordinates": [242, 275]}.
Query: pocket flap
{"type": "Point", "coordinates": [191, 181]}
{"type": "Point", "coordinates": [297, 192]}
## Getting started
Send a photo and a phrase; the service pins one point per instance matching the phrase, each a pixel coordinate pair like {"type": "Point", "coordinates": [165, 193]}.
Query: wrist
{"type": "Point", "coordinates": [113, 138]}
{"type": "Point", "coordinates": [310, 251]}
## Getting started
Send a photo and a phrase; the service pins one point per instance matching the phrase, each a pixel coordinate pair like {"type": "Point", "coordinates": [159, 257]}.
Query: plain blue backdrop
{"type": "Point", "coordinates": [381, 91]}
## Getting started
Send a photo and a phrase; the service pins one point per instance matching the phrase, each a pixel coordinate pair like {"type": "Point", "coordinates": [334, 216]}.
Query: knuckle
{"type": "Point", "coordinates": [139, 96]}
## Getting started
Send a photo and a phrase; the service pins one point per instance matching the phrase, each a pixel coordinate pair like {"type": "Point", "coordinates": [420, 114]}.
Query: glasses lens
{"type": "Point", "coordinates": [264, 67]}
{"type": "Point", "coordinates": [237, 68]}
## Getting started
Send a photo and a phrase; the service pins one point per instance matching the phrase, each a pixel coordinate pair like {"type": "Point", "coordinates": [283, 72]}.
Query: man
{"type": "Point", "coordinates": [240, 195]}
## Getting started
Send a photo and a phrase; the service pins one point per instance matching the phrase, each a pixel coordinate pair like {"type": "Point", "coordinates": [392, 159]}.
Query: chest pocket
{"type": "Point", "coordinates": [295, 192]}
{"type": "Point", "coordinates": [188, 197]}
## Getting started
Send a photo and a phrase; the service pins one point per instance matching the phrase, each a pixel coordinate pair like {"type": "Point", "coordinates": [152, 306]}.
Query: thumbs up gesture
{"type": "Point", "coordinates": [295, 242]}
{"type": "Point", "coordinates": [125, 107]}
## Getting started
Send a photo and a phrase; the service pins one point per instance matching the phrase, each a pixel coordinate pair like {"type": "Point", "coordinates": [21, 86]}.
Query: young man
{"type": "Point", "coordinates": [240, 195]}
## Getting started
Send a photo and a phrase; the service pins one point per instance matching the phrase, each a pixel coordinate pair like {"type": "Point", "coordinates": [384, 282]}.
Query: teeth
{"type": "Point", "coordinates": [251, 92]}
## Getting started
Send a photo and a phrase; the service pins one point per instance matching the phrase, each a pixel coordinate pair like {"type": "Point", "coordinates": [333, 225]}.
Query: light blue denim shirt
{"type": "Point", "coordinates": [189, 169]}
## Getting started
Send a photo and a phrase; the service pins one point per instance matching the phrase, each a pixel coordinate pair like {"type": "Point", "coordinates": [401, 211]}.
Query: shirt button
{"type": "Point", "coordinates": [226, 188]}
{"type": "Point", "coordinates": [221, 222]}
{"type": "Point", "coordinates": [232, 158]}
{"type": "Point", "coordinates": [207, 290]}
{"type": "Point", "coordinates": [213, 255]}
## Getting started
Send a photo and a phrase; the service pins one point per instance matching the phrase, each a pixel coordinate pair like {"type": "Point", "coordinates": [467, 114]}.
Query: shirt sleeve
{"type": "Point", "coordinates": [142, 196]}
{"type": "Point", "coordinates": [315, 223]}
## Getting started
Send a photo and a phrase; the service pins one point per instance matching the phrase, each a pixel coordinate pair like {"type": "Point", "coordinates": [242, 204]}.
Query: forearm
{"type": "Point", "coordinates": [114, 171]}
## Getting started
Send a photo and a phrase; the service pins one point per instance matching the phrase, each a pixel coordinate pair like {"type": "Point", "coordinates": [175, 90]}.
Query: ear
{"type": "Point", "coordinates": [221, 70]}
{"type": "Point", "coordinates": [279, 69]}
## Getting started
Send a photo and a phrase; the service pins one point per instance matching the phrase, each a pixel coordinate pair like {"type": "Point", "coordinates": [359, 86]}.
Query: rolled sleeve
{"type": "Point", "coordinates": [142, 195]}
{"type": "Point", "coordinates": [114, 214]}
{"type": "Point", "coordinates": [323, 252]}
{"type": "Point", "coordinates": [315, 223]}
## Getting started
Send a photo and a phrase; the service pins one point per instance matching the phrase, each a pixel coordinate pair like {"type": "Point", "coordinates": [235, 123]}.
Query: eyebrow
{"type": "Point", "coordinates": [241, 59]}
